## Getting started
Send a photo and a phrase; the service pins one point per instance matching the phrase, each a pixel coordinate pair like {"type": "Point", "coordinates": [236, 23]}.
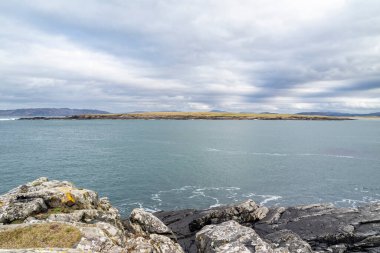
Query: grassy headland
{"type": "Point", "coordinates": [197, 115]}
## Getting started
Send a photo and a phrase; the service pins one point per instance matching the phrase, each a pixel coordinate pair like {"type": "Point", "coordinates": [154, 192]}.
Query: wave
{"type": "Point", "coordinates": [204, 197]}
{"type": "Point", "coordinates": [264, 198]}
{"type": "Point", "coordinates": [190, 196]}
{"type": "Point", "coordinates": [328, 155]}
{"type": "Point", "coordinates": [346, 202]}
{"type": "Point", "coordinates": [279, 154]}
{"type": "Point", "coordinates": [6, 119]}
{"type": "Point", "coordinates": [244, 152]}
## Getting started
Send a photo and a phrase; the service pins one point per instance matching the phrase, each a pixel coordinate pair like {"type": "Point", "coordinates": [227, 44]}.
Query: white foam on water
{"type": "Point", "coordinates": [213, 150]}
{"type": "Point", "coordinates": [156, 197]}
{"type": "Point", "coordinates": [266, 198]}
{"type": "Point", "coordinates": [327, 155]}
{"type": "Point", "coordinates": [357, 202]}
{"type": "Point", "coordinates": [6, 119]}
{"type": "Point", "coordinates": [269, 154]}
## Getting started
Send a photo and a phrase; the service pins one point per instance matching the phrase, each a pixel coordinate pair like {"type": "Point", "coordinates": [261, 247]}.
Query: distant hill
{"type": "Point", "coordinates": [48, 112]}
{"type": "Point", "coordinates": [340, 114]}
{"type": "Point", "coordinates": [217, 111]}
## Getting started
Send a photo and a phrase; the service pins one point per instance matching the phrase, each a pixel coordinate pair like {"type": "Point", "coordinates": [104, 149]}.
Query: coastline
{"type": "Point", "coordinates": [191, 116]}
{"type": "Point", "coordinates": [240, 227]}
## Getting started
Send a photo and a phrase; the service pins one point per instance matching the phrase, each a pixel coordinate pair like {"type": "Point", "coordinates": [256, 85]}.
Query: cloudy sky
{"type": "Point", "coordinates": [199, 55]}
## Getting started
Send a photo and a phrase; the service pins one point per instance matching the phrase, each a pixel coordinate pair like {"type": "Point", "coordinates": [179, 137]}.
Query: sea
{"type": "Point", "coordinates": [177, 164]}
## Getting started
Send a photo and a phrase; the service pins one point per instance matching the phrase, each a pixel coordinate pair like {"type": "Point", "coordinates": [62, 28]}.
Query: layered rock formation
{"type": "Point", "coordinates": [243, 227]}
{"type": "Point", "coordinates": [43, 201]}
{"type": "Point", "coordinates": [311, 228]}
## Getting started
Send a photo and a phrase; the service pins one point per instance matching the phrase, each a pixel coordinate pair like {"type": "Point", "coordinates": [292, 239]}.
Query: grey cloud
{"type": "Point", "coordinates": [231, 55]}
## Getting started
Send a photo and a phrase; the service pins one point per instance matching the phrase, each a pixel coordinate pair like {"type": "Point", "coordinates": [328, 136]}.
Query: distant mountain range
{"type": "Point", "coordinates": [48, 112]}
{"type": "Point", "coordinates": [340, 114]}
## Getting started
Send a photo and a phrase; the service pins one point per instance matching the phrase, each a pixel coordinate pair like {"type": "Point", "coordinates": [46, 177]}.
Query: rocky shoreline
{"type": "Point", "coordinates": [243, 227]}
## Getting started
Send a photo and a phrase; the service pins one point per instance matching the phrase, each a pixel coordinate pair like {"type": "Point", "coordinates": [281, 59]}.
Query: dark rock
{"type": "Point", "coordinates": [322, 226]}
{"type": "Point", "coordinates": [327, 228]}
{"type": "Point", "coordinates": [185, 223]}
{"type": "Point", "coordinates": [289, 240]}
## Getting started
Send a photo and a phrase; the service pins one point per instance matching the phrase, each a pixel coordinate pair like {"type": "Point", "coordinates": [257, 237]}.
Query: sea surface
{"type": "Point", "coordinates": [164, 164]}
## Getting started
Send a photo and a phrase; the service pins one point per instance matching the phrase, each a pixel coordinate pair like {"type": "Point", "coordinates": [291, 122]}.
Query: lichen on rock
{"type": "Point", "coordinates": [60, 202]}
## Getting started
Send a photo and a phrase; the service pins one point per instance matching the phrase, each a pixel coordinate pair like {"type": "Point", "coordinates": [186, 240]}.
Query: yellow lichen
{"type": "Point", "coordinates": [1, 203]}
{"type": "Point", "coordinates": [68, 199]}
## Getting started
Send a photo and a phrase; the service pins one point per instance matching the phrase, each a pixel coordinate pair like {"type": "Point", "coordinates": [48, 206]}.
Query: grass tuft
{"type": "Point", "coordinates": [47, 235]}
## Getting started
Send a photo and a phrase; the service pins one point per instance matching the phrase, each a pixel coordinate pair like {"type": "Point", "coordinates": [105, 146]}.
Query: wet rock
{"type": "Point", "coordinates": [185, 223]}
{"type": "Point", "coordinates": [327, 228]}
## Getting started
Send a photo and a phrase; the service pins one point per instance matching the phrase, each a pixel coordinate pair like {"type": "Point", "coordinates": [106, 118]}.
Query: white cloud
{"type": "Point", "coordinates": [218, 54]}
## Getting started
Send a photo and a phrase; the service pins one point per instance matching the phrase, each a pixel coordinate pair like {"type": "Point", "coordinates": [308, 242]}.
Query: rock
{"type": "Point", "coordinates": [327, 228]}
{"type": "Point", "coordinates": [153, 244]}
{"type": "Point", "coordinates": [40, 195]}
{"type": "Point", "coordinates": [97, 240]}
{"type": "Point", "coordinates": [14, 209]}
{"type": "Point", "coordinates": [244, 227]}
{"type": "Point", "coordinates": [247, 211]}
{"type": "Point", "coordinates": [142, 222]}
{"type": "Point", "coordinates": [147, 233]}
{"type": "Point", "coordinates": [289, 240]}
{"type": "Point", "coordinates": [230, 237]}
{"type": "Point", "coordinates": [164, 244]}
{"type": "Point", "coordinates": [44, 201]}
{"type": "Point", "coordinates": [185, 223]}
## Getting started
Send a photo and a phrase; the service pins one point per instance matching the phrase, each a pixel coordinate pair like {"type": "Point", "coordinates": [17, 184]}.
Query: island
{"type": "Point", "coordinates": [193, 116]}
{"type": "Point", "coordinates": [48, 112]}
{"type": "Point", "coordinates": [56, 216]}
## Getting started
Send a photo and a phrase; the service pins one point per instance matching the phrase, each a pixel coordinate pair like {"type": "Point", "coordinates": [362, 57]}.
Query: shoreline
{"type": "Point", "coordinates": [190, 116]}
{"type": "Point", "coordinates": [239, 227]}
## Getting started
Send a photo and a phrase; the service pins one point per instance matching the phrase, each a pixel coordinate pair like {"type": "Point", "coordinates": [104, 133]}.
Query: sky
{"type": "Point", "coordinates": [200, 55]}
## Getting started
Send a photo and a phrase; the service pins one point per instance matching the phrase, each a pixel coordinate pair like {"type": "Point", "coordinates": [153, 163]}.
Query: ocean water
{"type": "Point", "coordinates": [163, 165]}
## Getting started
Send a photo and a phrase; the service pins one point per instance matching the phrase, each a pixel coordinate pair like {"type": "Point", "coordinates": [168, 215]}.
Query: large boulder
{"type": "Point", "coordinates": [230, 237]}
{"type": "Point", "coordinates": [247, 211]}
{"type": "Point", "coordinates": [147, 233]}
{"type": "Point", "coordinates": [145, 223]}
{"type": "Point", "coordinates": [40, 195]}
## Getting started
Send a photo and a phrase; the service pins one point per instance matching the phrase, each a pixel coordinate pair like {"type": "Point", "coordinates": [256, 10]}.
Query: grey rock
{"type": "Point", "coordinates": [19, 209]}
{"type": "Point", "coordinates": [247, 211]}
{"type": "Point", "coordinates": [185, 223]}
{"type": "Point", "coordinates": [44, 201]}
{"type": "Point", "coordinates": [230, 237]}
{"type": "Point", "coordinates": [327, 228]}
{"type": "Point", "coordinates": [152, 244]}
{"type": "Point", "coordinates": [289, 240]}
{"type": "Point", "coordinates": [147, 233]}
{"type": "Point", "coordinates": [145, 223]}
